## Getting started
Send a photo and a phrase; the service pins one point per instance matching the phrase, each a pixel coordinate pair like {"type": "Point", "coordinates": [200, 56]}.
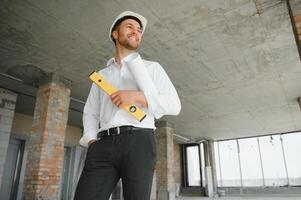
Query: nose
{"type": "Point", "coordinates": [136, 31]}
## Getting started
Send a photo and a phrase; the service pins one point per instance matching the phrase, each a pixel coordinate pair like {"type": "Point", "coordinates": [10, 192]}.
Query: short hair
{"type": "Point", "coordinates": [118, 22]}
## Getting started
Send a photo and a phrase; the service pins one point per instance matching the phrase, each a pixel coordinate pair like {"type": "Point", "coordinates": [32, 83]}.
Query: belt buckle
{"type": "Point", "coordinates": [118, 131]}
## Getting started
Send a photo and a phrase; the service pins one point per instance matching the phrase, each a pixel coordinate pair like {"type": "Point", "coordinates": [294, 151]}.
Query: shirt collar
{"type": "Point", "coordinates": [110, 61]}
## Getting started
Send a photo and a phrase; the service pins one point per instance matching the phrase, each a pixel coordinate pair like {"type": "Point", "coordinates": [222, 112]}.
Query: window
{"type": "Point", "coordinates": [67, 171]}
{"type": "Point", "coordinates": [259, 161]}
{"type": "Point", "coordinates": [193, 166]}
{"type": "Point", "coordinates": [292, 147]}
{"type": "Point", "coordinates": [250, 162]}
{"type": "Point", "coordinates": [273, 161]}
{"type": "Point", "coordinates": [12, 180]}
{"type": "Point", "coordinates": [229, 164]}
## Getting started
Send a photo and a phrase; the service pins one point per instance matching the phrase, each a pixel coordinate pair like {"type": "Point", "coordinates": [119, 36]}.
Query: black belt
{"type": "Point", "coordinates": [118, 130]}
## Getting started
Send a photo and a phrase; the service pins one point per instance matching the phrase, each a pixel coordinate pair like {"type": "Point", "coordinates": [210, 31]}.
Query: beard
{"type": "Point", "coordinates": [128, 44]}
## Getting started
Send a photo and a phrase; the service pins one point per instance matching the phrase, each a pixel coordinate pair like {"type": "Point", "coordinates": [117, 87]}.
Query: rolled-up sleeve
{"type": "Point", "coordinates": [91, 116]}
{"type": "Point", "coordinates": [161, 95]}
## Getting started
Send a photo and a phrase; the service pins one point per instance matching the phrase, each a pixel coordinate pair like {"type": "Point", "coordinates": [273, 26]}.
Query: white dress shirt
{"type": "Point", "coordinates": [152, 80]}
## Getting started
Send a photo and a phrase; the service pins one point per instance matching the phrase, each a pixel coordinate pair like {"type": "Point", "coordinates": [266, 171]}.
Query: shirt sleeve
{"type": "Point", "coordinates": [91, 116]}
{"type": "Point", "coordinates": [161, 95]}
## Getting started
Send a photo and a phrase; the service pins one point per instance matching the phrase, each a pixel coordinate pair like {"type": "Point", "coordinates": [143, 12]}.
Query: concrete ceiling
{"type": "Point", "coordinates": [234, 62]}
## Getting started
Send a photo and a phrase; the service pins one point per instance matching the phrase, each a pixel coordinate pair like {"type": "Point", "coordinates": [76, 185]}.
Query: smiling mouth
{"type": "Point", "coordinates": [133, 39]}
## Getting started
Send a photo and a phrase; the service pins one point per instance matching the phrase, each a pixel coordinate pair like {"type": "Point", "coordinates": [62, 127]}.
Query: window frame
{"type": "Point", "coordinates": [185, 164]}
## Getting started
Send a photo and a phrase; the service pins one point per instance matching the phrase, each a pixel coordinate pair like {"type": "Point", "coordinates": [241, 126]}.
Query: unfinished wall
{"type": "Point", "coordinates": [7, 110]}
{"type": "Point", "coordinates": [177, 163]}
{"type": "Point", "coordinates": [22, 125]}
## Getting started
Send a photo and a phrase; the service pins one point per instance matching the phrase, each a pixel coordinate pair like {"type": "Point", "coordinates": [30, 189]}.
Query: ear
{"type": "Point", "coordinates": [115, 34]}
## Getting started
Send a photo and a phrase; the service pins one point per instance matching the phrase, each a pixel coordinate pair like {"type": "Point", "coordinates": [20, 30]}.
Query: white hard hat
{"type": "Point", "coordinates": [128, 13]}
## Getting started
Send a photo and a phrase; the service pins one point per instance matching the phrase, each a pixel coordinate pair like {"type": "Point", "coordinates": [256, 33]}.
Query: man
{"type": "Point", "coordinates": [119, 146]}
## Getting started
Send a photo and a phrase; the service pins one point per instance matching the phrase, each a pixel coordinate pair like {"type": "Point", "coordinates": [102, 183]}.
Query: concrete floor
{"type": "Point", "coordinates": [244, 198]}
{"type": "Point", "coordinates": [240, 198]}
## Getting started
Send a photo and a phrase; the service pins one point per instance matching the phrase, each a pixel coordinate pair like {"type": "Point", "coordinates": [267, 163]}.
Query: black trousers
{"type": "Point", "coordinates": [130, 156]}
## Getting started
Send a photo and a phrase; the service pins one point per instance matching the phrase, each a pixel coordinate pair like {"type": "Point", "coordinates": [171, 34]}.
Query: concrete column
{"type": "Point", "coordinates": [7, 111]}
{"type": "Point", "coordinates": [153, 195]}
{"type": "Point", "coordinates": [210, 169]}
{"type": "Point", "coordinates": [165, 161]}
{"type": "Point", "coordinates": [213, 165]}
{"type": "Point", "coordinates": [46, 146]}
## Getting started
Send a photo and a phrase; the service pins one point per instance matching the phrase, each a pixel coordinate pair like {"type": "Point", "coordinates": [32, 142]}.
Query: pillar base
{"type": "Point", "coordinates": [209, 182]}
{"type": "Point", "coordinates": [166, 195]}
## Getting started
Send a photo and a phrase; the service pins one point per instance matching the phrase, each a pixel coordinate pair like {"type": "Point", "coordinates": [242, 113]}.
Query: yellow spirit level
{"type": "Point", "coordinates": [109, 89]}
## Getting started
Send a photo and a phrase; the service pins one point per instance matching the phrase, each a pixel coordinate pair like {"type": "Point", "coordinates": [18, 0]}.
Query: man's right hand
{"type": "Point", "coordinates": [91, 142]}
{"type": "Point", "coordinates": [123, 98]}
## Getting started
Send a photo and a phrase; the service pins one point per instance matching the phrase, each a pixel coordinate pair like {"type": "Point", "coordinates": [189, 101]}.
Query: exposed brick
{"type": "Point", "coordinates": [295, 12]}
{"type": "Point", "coordinates": [5, 127]}
{"type": "Point", "coordinates": [6, 94]}
{"type": "Point", "coordinates": [46, 150]}
{"type": "Point", "coordinates": [6, 120]}
{"type": "Point", "coordinates": [297, 18]}
{"type": "Point", "coordinates": [165, 159]}
{"type": "Point", "coordinates": [6, 112]}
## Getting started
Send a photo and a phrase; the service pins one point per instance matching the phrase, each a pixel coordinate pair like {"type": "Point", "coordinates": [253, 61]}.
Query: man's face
{"type": "Point", "coordinates": [128, 34]}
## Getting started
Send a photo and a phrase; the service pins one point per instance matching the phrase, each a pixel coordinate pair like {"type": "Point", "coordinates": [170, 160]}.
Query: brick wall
{"type": "Point", "coordinates": [22, 126]}
{"type": "Point", "coordinates": [297, 20]}
{"type": "Point", "coordinates": [177, 163]}
{"type": "Point", "coordinates": [7, 110]}
{"type": "Point", "coordinates": [46, 148]}
{"type": "Point", "coordinates": [294, 7]}
{"type": "Point", "coordinates": [165, 161]}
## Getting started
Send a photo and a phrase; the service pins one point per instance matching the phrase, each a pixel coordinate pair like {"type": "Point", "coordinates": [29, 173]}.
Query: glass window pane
{"type": "Point", "coordinates": [272, 161]}
{"type": "Point", "coordinates": [193, 166]}
{"type": "Point", "coordinates": [229, 164]}
{"type": "Point", "coordinates": [292, 147]}
{"type": "Point", "coordinates": [250, 162]}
